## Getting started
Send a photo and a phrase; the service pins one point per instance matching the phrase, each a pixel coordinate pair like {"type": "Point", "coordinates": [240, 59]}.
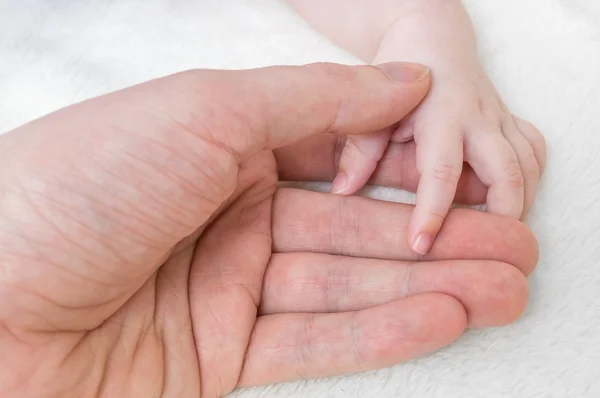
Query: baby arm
{"type": "Point", "coordinates": [462, 119]}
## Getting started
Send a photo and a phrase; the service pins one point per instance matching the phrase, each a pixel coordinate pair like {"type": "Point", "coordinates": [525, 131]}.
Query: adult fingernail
{"type": "Point", "coordinates": [404, 72]}
{"type": "Point", "coordinates": [339, 183]}
{"type": "Point", "coordinates": [422, 244]}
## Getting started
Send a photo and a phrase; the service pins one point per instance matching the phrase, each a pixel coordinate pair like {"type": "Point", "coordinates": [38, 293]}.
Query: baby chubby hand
{"type": "Point", "coordinates": [461, 120]}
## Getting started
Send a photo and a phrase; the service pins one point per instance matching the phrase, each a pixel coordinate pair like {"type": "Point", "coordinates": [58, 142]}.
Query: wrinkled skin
{"type": "Point", "coordinates": [146, 249]}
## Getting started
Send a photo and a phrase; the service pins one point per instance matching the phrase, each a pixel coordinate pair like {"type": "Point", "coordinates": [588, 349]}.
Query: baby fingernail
{"type": "Point", "coordinates": [403, 72]}
{"type": "Point", "coordinates": [339, 183]}
{"type": "Point", "coordinates": [422, 244]}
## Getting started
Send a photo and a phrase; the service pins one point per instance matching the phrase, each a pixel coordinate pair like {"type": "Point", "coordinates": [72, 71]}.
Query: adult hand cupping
{"type": "Point", "coordinates": [145, 249]}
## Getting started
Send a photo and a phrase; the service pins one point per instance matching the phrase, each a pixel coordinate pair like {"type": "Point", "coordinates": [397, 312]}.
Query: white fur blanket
{"type": "Point", "coordinates": [544, 56]}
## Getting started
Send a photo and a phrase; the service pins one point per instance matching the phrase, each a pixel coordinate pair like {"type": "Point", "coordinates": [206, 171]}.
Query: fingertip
{"type": "Point", "coordinates": [497, 297]}
{"type": "Point", "coordinates": [350, 180]}
{"type": "Point", "coordinates": [472, 234]}
{"type": "Point", "coordinates": [510, 296]}
{"type": "Point", "coordinates": [339, 184]}
{"type": "Point", "coordinates": [353, 172]}
{"type": "Point", "coordinates": [358, 160]}
{"type": "Point", "coordinates": [493, 293]}
{"type": "Point", "coordinates": [426, 323]}
{"type": "Point", "coordinates": [422, 243]}
{"type": "Point", "coordinates": [448, 315]}
{"type": "Point", "coordinates": [423, 230]}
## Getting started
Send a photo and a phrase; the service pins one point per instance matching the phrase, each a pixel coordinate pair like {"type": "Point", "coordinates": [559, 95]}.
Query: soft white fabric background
{"type": "Point", "coordinates": [544, 56]}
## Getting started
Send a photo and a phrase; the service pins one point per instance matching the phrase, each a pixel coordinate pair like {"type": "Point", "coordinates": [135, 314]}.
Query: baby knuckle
{"type": "Point", "coordinates": [531, 168]}
{"type": "Point", "coordinates": [354, 149]}
{"type": "Point", "coordinates": [513, 174]}
{"type": "Point", "coordinates": [437, 214]}
{"type": "Point", "coordinates": [446, 173]}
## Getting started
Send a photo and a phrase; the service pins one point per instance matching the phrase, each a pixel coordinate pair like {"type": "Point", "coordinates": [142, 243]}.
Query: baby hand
{"type": "Point", "coordinates": [462, 120]}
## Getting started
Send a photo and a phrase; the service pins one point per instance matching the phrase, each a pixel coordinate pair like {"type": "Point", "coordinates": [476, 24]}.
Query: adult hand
{"type": "Point", "coordinates": [145, 249]}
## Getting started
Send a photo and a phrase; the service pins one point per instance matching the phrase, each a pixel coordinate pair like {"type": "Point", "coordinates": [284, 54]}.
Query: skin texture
{"type": "Point", "coordinates": [463, 122]}
{"type": "Point", "coordinates": [146, 249]}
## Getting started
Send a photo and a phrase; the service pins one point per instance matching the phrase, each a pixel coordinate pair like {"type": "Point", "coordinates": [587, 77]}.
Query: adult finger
{"type": "Point", "coordinates": [317, 159]}
{"type": "Point", "coordinates": [286, 347]}
{"type": "Point", "coordinates": [493, 293]}
{"type": "Point", "coordinates": [363, 227]}
{"type": "Point", "coordinates": [440, 160]}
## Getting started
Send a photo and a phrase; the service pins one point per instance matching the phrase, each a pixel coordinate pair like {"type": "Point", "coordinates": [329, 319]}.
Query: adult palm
{"type": "Point", "coordinates": [147, 250]}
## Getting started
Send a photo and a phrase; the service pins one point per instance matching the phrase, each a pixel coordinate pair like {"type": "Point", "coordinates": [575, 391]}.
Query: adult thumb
{"type": "Point", "coordinates": [194, 128]}
{"type": "Point", "coordinates": [272, 107]}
